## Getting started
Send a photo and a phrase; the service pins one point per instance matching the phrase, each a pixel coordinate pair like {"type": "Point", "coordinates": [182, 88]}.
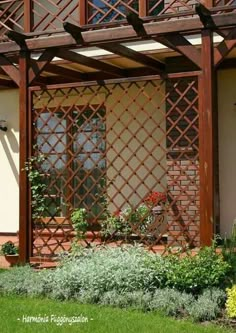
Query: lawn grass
{"type": "Point", "coordinates": [100, 319]}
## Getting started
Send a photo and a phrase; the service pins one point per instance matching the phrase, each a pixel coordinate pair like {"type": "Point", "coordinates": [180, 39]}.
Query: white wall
{"type": "Point", "coordinates": [9, 162]}
{"type": "Point", "coordinates": [227, 148]}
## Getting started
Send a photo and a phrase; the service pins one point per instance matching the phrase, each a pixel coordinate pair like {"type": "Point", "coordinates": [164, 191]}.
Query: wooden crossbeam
{"type": "Point", "coordinates": [38, 66]}
{"type": "Point", "coordinates": [221, 51]}
{"type": "Point", "coordinates": [10, 69]}
{"type": "Point", "coordinates": [65, 72]}
{"type": "Point", "coordinates": [18, 37]}
{"type": "Point", "coordinates": [205, 16]}
{"type": "Point", "coordinates": [75, 31]}
{"type": "Point", "coordinates": [90, 62]}
{"type": "Point", "coordinates": [137, 24]}
{"type": "Point", "coordinates": [179, 43]}
{"type": "Point", "coordinates": [7, 83]}
{"type": "Point", "coordinates": [126, 52]}
{"type": "Point", "coordinates": [123, 34]}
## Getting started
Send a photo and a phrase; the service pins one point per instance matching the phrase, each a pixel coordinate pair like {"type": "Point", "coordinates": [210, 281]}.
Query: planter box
{"type": "Point", "coordinates": [12, 259]}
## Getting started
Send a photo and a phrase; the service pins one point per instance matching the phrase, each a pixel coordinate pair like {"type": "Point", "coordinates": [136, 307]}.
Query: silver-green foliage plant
{"type": "Point", "coordinates": [139, 300]}
{"type": "Point", "coordinates": [102, 270]}
{"type": "Point", "coordinates": [208, 306]}
{"type": "Point", "coordinates": [23, 280]}
{"type": "Point", "coordinates": [171, 302]}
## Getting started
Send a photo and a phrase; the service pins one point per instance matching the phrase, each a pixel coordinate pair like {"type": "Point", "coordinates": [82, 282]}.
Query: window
{"type": "Point", "coordinates": [73, 142]}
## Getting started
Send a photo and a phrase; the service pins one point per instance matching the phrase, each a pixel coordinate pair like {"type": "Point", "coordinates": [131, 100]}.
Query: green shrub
{"type": "Point", "coordinates": [79, 222]}
{"type": "Point", "coordinates": [9, 248]}
{"type": "Point", "coordinates": [231, 302]}
{"type": "Point", "coordinates": [193, 274]}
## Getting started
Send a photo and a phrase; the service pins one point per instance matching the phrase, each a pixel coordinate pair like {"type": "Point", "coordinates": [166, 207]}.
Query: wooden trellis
{"type": "Point", "coordinates": [118, 132]}
{"type": "Point", "coordinates": [11, 17]}
{"type": "Point", "coordinates": [121, 141]}
{"type": "Point", "coordinates": [48, 16]}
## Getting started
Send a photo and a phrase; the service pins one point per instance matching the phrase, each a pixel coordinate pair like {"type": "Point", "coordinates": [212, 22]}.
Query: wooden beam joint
{"type": "Point", "coordinates": [75, 31]}
{"type": "Point", "coordinates": [137, 24]}
{"type": "Point", "coordinates": [18, 38]}
{"type": "Point", "coordinates": [205, 16]}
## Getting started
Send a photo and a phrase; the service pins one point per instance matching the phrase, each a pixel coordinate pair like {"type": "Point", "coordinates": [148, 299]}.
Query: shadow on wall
{"type": "Point", "coordinates": [9, 139]}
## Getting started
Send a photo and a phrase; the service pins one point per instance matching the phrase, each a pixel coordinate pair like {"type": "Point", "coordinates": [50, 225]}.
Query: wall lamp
{"type": "Point", "coordinates": [3, 125]}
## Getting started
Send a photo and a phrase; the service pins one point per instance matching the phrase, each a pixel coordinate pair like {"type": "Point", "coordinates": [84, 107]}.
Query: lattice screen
{"type": "Point", "coordinates": [161, 7]}
{"type": "Point", "coordinates": [104, 11]}
{"type": "Point", "coordinates": [111, 149]}
{"type": "Point", "coordinates": [50, 15]}
{"type": "Point", "coordinates": [11, 17]}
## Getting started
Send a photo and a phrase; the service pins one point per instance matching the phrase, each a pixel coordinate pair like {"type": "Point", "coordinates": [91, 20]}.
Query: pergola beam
{"type": "Point", "coordinates": [39, 65]}
{"type": "Point", "coordinates": [75, 31]}
{"type": "Point", "coordinates": [137, 24]}
{"type": "Point", "coordinates": [18, 38]}
{"type": "Point", "coordinates": [179, 43]}
{"type": "Point", "coordinates": [126, 52]}
{"type": "Point", "coordinates": [205, 16]}
{"type": "Point", "coordinates": [7, 83]}
{"type": "Point", "coordinates": [223, 49]}
{"type": "Point", "coordinates": [65, 72]}
{"type": "Point", "coordinates": [90, 62]}
{"type": "Point", "coordinates": [122, 34]}
{"type": "Point", "coordinates": [10, 69]}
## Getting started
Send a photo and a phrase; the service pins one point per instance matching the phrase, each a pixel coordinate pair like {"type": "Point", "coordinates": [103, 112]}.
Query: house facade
{"type": "Point", "coordinates": [117, 107]}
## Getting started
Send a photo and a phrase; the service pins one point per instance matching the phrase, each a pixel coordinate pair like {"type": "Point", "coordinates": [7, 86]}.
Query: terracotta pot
{"type": "Point", "coordinates": [12, 259]}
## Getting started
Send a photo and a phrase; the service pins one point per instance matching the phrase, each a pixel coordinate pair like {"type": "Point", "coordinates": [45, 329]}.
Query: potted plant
{"type": "Point", "coordinates": [10, 251]}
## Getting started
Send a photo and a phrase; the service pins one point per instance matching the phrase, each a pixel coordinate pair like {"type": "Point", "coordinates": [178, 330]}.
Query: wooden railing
{"type": "Point", "coordinates": [47, 15]}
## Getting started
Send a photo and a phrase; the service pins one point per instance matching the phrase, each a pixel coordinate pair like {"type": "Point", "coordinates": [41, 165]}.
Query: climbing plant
{"type": "Point", "coordinates": [36, 177]}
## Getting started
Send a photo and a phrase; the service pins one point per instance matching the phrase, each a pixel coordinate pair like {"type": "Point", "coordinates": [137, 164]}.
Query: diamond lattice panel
{"type": "Point", "coordinates": [176, 7]}
{"type": "Point", "coordinates": [226, 3]}
{"type": "Point", "coordinates": [11, 17]}
{"type": "Point", "coordinates": [104, 11]}
{"type": "Point", "coordinates": [50, 15]}
{"type": "Point", "coordinates": [120, 151]}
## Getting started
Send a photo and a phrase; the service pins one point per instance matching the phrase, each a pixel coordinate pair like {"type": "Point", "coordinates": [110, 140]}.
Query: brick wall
{"type": "Point", "coordinates": [184, 207]}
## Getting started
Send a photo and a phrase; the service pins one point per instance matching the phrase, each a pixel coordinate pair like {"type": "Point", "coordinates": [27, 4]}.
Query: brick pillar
{"type": "Point", "coordinates": [183, 219]}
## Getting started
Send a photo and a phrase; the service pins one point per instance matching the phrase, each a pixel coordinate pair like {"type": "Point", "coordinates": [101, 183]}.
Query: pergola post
{"type": "Point", "coordinates": [207, 142]}
{"type": "Point", "coordinates": [24, 225]}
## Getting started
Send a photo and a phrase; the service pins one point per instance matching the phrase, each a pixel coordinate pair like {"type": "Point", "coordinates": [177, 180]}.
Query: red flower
{"type": "Point", "coordinates": [117, 213]}
{"type": "Point", "coordinates": [154, 198]}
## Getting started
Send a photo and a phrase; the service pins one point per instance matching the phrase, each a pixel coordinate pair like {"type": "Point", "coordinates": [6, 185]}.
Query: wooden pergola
{"type": "Point", "coordinates": [36, 75]}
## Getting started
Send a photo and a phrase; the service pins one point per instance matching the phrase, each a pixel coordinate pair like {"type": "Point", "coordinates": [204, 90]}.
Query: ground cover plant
{"type": "Point", "coordinates": [100, 319]}
{"type": "Point", "coordinates": [130, 277]}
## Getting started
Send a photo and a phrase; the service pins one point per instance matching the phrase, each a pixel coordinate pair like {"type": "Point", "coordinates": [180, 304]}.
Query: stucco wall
{"type": "Point", "coordinates": [9, 149]}
{"type": "Point", "coordinates": [9, 161]}
{"type": "Point", "coordinates": [135, 124]}
{"type": "Point", "coordinates": [139, 119]}
{"type": "Point", "coordinates": [227, 148]}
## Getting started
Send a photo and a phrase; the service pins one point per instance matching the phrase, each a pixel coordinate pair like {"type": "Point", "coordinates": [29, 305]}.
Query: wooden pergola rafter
{"type": "Point", "coordinates": [170, 35]}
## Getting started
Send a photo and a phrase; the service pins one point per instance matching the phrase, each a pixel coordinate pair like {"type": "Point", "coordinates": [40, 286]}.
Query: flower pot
{"type": "Point", "coordinates": [12, 259]}
{"type": "Point", "coordinates": [157, 210]}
